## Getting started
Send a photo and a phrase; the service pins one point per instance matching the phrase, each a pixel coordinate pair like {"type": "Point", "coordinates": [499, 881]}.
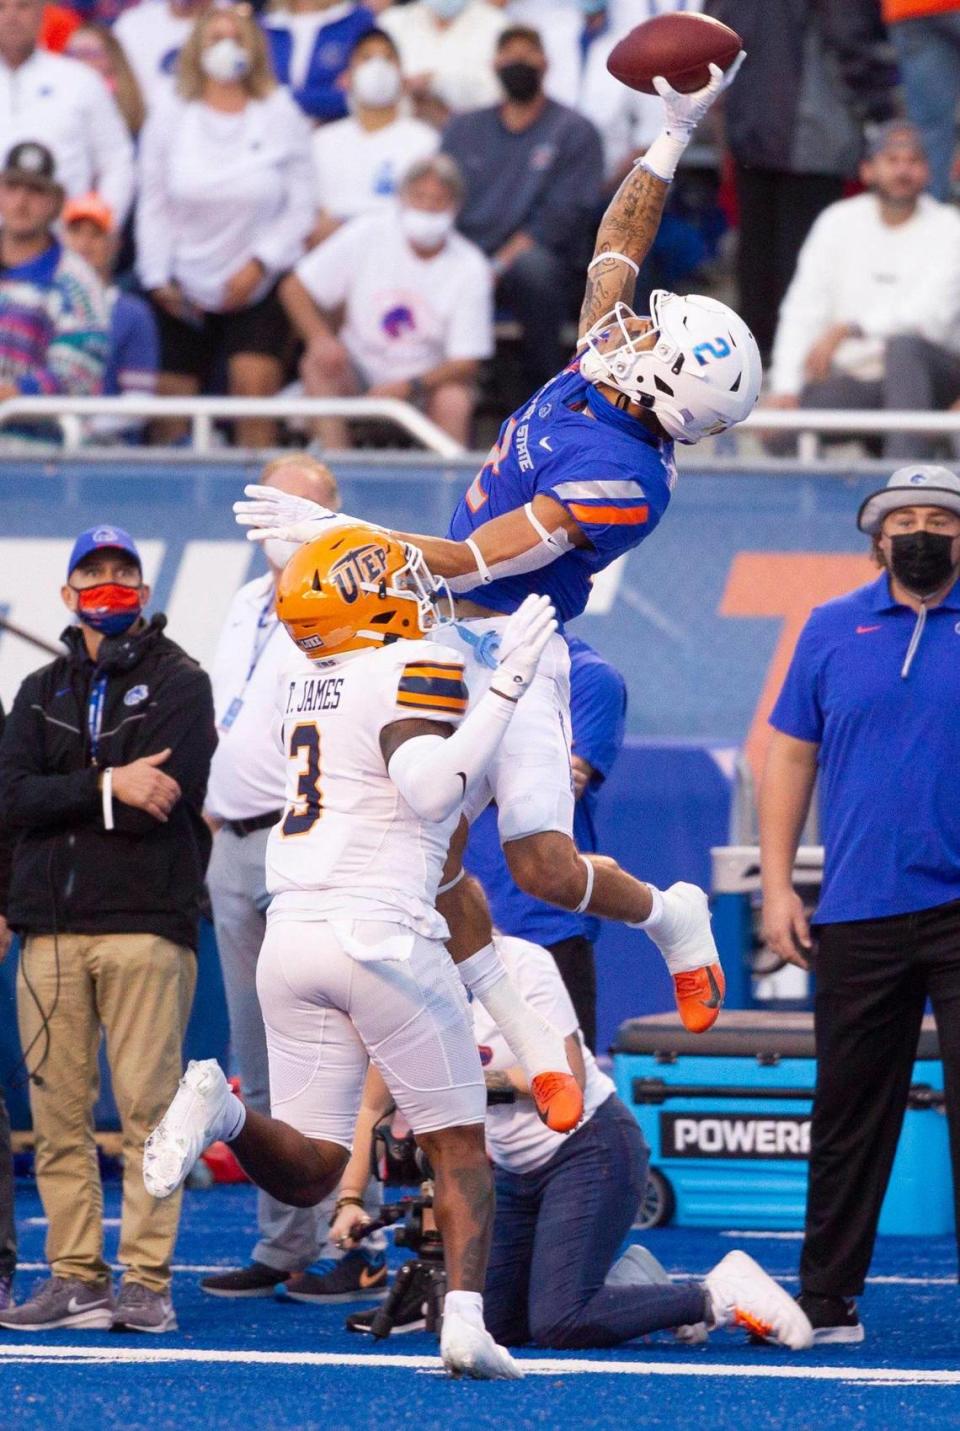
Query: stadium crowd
{"type": "Point", "coordinates": [257, 204]}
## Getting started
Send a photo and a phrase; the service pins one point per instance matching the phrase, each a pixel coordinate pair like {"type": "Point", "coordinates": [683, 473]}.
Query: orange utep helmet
{"type": "Point", "coordinates": [357, 588]}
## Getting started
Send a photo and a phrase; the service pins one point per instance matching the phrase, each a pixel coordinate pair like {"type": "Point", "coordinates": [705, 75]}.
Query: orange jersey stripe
{"type": "Point", "coordinates": [609, 516]}
{"type": "Point", "coordinates": [433, 672]}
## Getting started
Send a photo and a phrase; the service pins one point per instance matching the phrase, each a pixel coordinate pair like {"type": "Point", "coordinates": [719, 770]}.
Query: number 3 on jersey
{"type": "Point", "coordinates": [301, 817]}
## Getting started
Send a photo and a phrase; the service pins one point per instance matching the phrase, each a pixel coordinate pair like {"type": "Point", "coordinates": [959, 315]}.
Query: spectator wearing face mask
{"type": "Point", "coordinates": [310, 44]}
{"type": "Point", "coordinates": [533, 171]}
{"type": "Point", "coordinates": [152, 36]}
{"type": "Point", "coordinates": [578, 36]}
{"type": "Point", "coordinates": [416, 303]}
{"type": "Point", "coordinates": [447, 52]}
{"type": "Point", "coordinates": [359, 161]}
{"type": "Point", "coordinates": [225, 209]}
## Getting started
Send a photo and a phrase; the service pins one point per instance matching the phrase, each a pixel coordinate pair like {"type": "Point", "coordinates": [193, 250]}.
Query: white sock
{"type": "Point", "coordinates": [533, 1041]}
{"type": "Point", "coordinates": [652, 922]}
{"type": "Point", "coordinates": [234, 1117]}
{"type": "Point", "coordinates": [468, 1305]}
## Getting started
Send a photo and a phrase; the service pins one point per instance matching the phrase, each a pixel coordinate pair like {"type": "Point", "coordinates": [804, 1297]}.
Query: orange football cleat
{"type": "Point", "coordinates": [559, 1100]}
{"type": "Point", "coordinates": [699, 994]}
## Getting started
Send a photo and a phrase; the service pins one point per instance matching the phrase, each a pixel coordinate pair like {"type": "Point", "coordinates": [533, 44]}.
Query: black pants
{"type": "Point", "coordinates": [776, 213]}
{"type": "Point", "coordinates": [873, 979]}
{"type": "Point", "coordinates": [578, 970]}
{"type": "Point", "coordinates": [8, 1232]}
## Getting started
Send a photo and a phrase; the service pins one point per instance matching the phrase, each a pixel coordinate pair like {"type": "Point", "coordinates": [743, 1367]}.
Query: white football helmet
{"type": "Point", "coordinates": [700, 376]}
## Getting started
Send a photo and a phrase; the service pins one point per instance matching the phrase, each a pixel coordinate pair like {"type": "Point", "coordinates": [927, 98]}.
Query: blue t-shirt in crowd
{"type": "Point", "coordinates": [598, 705]}
{"type": "Point", "coordinates": [134, 345]}
{"type": "Point", "coordinates": [607, 469]}
{"type": "Point", "coordinates": [889, 750]}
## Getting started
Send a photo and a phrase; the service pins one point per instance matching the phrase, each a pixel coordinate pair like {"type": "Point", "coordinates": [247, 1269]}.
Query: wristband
{"type": "Point", "coordinates": [343, 1202]}
{"type": "Point", "coordinates": [106, 797]}
{"type": "Point", "coordinates": [588, 892]}
{"type": "Point", "coordinates": [663, 156]}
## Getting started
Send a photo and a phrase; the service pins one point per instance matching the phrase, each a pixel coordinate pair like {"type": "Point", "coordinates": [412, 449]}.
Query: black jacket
{"type": "Point", "coordinates": [6, 845]}
{"type": "Point", "coordinates": [69, 872]}
{"type": "Point", "coordinates": [761, 108]}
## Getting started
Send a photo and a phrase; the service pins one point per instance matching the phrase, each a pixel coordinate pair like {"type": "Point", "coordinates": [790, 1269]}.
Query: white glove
{"type": "Point", "coordinates": [522, 644]}
{"type": "Point", "coordinates": [272, 513]}
{"type": "Point", "coordinates": [682, 114]}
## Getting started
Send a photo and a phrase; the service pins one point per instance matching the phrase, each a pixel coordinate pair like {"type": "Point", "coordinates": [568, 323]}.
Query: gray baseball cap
{"type": "Point", "coordinates": [919, 485]}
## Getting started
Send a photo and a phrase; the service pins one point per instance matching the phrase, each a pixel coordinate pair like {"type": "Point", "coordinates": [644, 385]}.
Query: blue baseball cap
{"type": "Point", "coordinates": [103, 538]}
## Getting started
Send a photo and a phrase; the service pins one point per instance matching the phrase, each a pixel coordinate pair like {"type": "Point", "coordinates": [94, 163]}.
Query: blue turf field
{"type": "Point", "coordinates": [273, 1366]}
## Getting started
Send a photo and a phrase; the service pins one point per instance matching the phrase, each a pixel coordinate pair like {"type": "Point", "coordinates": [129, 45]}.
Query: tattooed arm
{"type": "Point", "coordinates": [629, 226]}
{"type": "Point", "coordinates": [627, 231]}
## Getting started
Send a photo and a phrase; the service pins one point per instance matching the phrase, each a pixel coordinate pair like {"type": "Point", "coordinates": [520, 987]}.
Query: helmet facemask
{"type": "Point", "coordinates": [414, 580]}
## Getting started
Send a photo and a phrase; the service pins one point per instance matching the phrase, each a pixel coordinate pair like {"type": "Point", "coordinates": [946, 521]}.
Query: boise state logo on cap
{"type": "Point", "coordinates": [100, 539]}
{"type": "Point", "coordinates": [941, 488]}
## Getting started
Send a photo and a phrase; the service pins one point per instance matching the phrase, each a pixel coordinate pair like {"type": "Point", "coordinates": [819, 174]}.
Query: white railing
{"type": "Point", "coordinates": [203, 412]}
{"type": "Point", "coordinates": [810, 427]}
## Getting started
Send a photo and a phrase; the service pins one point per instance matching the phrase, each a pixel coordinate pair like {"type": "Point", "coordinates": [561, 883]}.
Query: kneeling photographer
{"type": "Point", "coordinates": [565, 1204]}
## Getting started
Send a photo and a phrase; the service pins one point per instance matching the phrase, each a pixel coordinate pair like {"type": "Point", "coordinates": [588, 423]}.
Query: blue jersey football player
{"type": "Point", "coordinates": [580, 474]}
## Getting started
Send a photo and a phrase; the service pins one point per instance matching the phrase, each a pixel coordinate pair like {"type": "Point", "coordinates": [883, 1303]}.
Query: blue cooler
{"type": "Point", "coordinates": [727, 1117]}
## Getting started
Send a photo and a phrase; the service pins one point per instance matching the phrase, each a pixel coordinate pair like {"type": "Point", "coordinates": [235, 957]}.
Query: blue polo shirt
{"type": "Point", "coordinates": [598, 705]}
{"type": "Point", "coordinates": [889, 757]}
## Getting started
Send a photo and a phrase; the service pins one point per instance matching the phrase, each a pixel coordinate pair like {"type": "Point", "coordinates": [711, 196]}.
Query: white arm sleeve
{"type": "Point", "coordinates": [548, 547]}
{"type": "Point", "coordinates": [433, 774]}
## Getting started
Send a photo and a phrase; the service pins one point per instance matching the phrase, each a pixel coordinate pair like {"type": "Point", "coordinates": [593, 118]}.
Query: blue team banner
{"type": "Point", "coordinates": [701, 619]}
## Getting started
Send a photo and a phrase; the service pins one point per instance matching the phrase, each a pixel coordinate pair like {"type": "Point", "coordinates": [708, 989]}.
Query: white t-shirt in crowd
{"type": "Point", "coordinates": [403, 314]}
{"type": "Point", "coordinates": [152, 35]}
{"type": "Point", "coordinates": [516, 1138]}
{"type": "Point", "coordinates": [66, 106]}
{"type": "Point", "coordinates": [217, 189]}
{"type": "Point", "coordinates": [359, 169]}
{"type": "Point", "coordinates": [886, 279]}
{"type": "Point", "coordinates": [459, 56]}
{"type": "Point", "coordinates": [248, 772]}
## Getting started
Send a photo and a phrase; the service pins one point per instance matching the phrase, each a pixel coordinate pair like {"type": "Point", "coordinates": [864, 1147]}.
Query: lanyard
{"type": "Point", "coordinates": [261, 641]}
{"type": "Point", "coordinates": [95, 704]}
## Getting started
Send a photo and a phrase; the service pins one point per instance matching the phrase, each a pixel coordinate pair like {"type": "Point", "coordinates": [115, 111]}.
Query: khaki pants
{"type": "Point", "coordinates": [139, 988]}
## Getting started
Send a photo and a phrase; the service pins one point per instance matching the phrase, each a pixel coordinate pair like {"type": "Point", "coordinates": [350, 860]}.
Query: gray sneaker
{"type": "Point", "coordinates": [63, 1302]}
{"type": "Point", "coordinates": [140, 1309]}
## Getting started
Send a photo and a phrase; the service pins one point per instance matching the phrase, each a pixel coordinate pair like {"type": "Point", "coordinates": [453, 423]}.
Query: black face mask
{"type": "Point", "coordinates": [521, 81]}
{"type": "Point", "coordinates": [921, 561]}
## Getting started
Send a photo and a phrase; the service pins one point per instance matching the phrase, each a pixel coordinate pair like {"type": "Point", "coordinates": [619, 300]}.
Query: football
{"type": "Point", "coordinates": [680, 47]}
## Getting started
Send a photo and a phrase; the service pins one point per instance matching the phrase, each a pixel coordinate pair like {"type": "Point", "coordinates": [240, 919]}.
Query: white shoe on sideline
{"type": "Point", "coordinates": [470, 1351]}
{"type": "Point", "coordinates": [741, 1294]}
{"type": "Point", "coordinates": [199, 1115]}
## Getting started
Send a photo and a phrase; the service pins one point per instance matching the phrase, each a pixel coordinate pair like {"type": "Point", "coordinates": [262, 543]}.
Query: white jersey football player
{"type": "Point", "coordinates": [353, 968]}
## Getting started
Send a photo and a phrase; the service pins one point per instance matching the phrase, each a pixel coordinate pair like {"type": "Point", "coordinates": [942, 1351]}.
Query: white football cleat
{"type": "Point", "coordinates": [470, 1351]}
{"type": "Point", "coordinates": [200, 1114]}
{"type": "Point", "coordinates": [685, 939]}
{"type": "Point", "coordinates": [741, 1294]}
